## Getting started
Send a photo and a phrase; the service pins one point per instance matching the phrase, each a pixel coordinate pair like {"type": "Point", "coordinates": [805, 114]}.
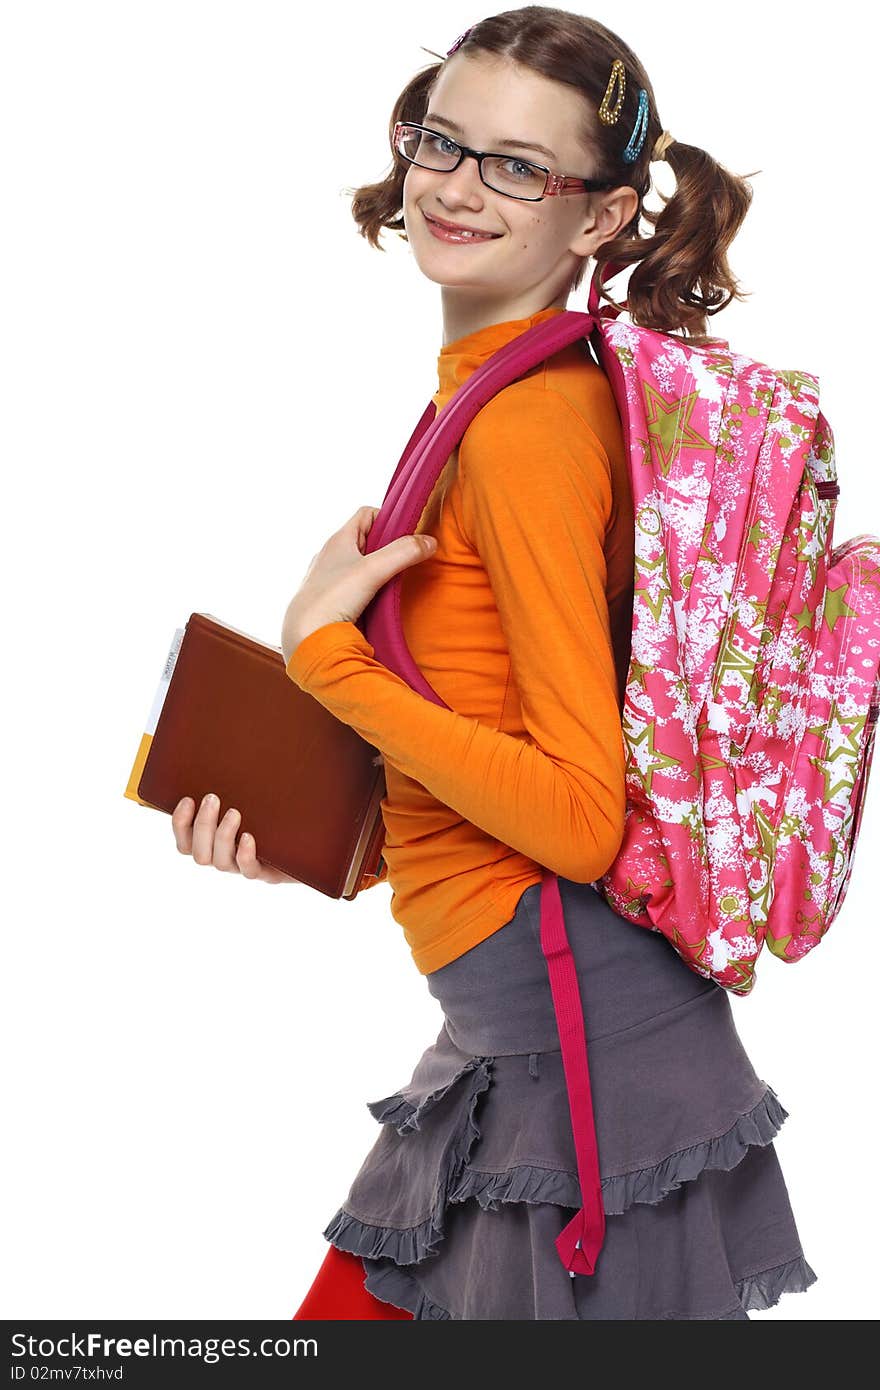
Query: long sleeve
{"type": "Point", "coordinates": [536, 497]}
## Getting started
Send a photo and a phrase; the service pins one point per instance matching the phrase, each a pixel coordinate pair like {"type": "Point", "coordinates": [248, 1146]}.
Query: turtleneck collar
{"type": "Point", "coordinates": [458, 359]}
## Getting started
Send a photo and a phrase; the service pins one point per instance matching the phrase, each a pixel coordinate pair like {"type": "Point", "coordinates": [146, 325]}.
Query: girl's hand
{"type": "Point", "coordinates": [210, 844]}
{"type": "Point", "coordinates": [341, 580]}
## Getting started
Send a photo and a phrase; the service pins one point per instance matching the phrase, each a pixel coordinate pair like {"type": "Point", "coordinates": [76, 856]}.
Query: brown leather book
{"type": "Point", "coordinates": [228, 719]}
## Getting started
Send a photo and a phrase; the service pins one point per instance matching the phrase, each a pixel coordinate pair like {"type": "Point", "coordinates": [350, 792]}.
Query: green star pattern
{"type": "Point", "coordinates": [656, 760]}
{"type": "Point", "coordinates": [669, 425]}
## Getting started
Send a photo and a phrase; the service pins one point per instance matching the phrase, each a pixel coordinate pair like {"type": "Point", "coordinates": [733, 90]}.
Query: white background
{"type": "Point", "coordinates": [206, 371]}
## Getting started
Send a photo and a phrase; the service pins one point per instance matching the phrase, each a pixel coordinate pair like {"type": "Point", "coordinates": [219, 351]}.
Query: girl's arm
{"type": "Point", "coordinates": [536, 498]}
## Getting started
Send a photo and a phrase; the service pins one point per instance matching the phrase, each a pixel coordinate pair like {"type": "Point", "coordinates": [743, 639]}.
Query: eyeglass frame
{"type": "Point", "coordinates": [554, 186]}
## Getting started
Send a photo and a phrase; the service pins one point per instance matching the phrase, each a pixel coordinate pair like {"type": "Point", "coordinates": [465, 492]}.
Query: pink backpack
{"type": "Point", "coordinates": [753, 688]}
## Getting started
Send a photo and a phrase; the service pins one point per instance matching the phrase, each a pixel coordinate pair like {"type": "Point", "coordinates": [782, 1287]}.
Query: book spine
{"type": "Point", "coordinates": [143, 752]}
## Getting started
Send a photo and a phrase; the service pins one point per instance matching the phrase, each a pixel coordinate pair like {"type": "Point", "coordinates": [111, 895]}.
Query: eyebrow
{"type": "Point", "coordinates": [499, 144]}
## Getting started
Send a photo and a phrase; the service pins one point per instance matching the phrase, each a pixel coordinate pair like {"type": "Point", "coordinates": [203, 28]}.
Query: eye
{"type": "Point", "coordinates": [522, 169]}
{"type": "Point", "coordinates": [439, 141]}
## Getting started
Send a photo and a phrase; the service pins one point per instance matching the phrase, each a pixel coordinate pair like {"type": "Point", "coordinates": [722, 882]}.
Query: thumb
{"type": "Point", "coordinates": [400, 554]}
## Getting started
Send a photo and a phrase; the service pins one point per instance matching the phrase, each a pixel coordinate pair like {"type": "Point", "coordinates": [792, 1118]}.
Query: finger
{"type": "Point", "coordinates": [204, 826]}
{"type": "Point", "coordinates": [363, 520]}
{"type": "Point", "coordinates": [246, 857]}
{"type": "Point", "coordinates": [224, 841]}
{"type": "Point", "coordinates": [251, 867]}
{"type": "Point", "coordinates": [398, 555]}
{"type": "Point", "coordinates": [181, 824]}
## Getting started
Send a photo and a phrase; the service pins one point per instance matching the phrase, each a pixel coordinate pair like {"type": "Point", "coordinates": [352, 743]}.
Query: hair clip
{"type": "Point", "coordinates": [618, 74]}
{"type": "Point", "coordinates": [458, 42]}
{"type": "Point", "coordinates": [640, 129]}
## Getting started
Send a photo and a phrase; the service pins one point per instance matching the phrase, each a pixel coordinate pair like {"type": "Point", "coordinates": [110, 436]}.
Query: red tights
{"type": "Point", "coordinates": [338, 1292]}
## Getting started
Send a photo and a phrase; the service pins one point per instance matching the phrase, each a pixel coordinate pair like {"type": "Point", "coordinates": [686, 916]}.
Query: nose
{"type": "Point", "coordinates": [462, 183]}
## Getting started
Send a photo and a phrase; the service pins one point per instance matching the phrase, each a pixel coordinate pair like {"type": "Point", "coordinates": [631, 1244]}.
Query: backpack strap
{"type": "Point", "coordinates": [426, 453]}
{"type": "Point", "coordinates": [415, 439]}
{"type": "Point", "coordinates": [579, 1243]}
{"type": "Point", "coordinates": [424, 459]}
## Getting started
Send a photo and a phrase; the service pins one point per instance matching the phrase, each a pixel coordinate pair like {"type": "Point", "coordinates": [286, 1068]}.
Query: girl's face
{"type": "Point", "coordinates": [537, 248]}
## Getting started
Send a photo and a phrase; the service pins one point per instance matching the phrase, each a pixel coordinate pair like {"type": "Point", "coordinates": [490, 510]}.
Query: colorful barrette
{"type": "Point", "coordinates": [458, 42]}
{"type": "Point", "coordinates": [607, 115]}
{"type": "Point", "coordinates": [640, 130]}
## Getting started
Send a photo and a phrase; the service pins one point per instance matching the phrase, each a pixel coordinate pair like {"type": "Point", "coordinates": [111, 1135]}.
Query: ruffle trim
{"type": "Point", "coordinates": [755, 1291]}
{"type": "Point", "coordinates": [764, 1289]}
{"type": "Point", "coordinates": [396, 1110]}
{"type": "Point", "coordinates": [411, 1244]}
{"type": "Point", "coordinates": [527, 1183]}
{"type": "Point", "coordinates": [760, 1125]}
{"type": "Point", "coordinates": [393, 1285]}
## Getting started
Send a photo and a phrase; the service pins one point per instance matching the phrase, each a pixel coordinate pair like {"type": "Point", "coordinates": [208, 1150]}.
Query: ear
{"type": "Point", "coordinates": [611, 212]}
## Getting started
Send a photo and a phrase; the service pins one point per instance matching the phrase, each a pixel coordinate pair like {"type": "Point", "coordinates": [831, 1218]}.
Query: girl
{"type": "Point", "coordinates": [517, 605]}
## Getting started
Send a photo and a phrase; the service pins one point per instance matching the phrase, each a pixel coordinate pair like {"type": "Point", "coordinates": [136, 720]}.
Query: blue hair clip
{"type": "Point", "coordinates": [640, 129]}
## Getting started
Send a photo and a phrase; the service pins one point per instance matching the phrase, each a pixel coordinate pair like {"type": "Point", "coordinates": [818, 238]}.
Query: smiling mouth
{"type": "Point", "coordinates": [463, 233]}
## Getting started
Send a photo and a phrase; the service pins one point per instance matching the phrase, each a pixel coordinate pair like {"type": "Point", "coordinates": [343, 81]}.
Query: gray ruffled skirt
{"type": "Point", "coordinates": [473, 1175]}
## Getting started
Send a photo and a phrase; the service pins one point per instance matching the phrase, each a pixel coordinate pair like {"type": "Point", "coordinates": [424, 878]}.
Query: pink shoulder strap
{"type": "Point", "coordinates": [429, 446]}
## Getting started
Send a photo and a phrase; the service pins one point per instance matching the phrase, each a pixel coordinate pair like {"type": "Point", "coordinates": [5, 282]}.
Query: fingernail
{"type": "Point", "coordinates": [209, 799]}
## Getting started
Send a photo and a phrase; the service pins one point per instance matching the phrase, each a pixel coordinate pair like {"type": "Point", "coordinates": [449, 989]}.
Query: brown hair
{"type": "Point", "coordinates": [681, 271]}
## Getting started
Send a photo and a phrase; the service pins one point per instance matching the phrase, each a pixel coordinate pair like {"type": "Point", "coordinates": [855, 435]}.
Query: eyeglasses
{"type": "Point", "coordinates": [504, 173]}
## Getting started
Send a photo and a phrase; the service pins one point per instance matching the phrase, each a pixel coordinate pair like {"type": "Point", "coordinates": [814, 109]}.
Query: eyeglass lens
{"type": "Point", "coordinates": [505, 173]}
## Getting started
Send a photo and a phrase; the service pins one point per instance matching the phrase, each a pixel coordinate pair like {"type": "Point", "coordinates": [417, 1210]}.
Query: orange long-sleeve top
{"type": "Point", "coordinates": [521, 621]}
